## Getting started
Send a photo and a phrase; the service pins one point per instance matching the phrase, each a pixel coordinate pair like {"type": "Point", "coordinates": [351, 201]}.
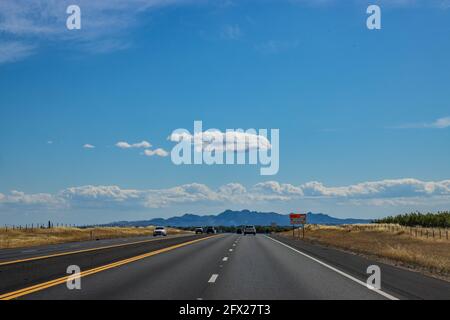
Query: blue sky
{"type": "Point", "coordinates": [363, 115]}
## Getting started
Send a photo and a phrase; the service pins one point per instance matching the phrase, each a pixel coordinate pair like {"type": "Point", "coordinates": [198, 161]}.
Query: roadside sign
{"type": "Point", "coordinates": [297, 218]}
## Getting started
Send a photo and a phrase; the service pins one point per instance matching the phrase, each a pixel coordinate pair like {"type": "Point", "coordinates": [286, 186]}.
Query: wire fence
{"type": "Point", "coordinates": [36, 226]}
{"type": "Point", "coordinates": [417, 232]}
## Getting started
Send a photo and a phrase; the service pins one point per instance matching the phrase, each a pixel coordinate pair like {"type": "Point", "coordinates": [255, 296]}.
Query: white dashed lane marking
{"type": "Point", "coordinates": [225, 259]}
{"type": "Point", "coordinates": [213, 278]}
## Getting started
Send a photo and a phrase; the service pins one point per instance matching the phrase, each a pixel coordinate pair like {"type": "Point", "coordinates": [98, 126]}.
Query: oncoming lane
{"type": "Point", "coordinates": [183, 273]}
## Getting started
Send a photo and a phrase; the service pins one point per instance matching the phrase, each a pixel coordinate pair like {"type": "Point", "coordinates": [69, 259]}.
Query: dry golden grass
{"type": "Point", "coordinates": [36, 237]}
{"type": "Point", "coordinates": [431, 255]}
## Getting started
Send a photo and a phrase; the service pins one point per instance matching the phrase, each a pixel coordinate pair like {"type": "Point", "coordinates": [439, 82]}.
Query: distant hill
{"type": "Point", "coordinates": [237, 218]}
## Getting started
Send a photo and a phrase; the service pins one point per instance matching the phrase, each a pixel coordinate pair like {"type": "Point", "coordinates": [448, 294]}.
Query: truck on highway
{"type": "Point", "coordinates": [249, 230]}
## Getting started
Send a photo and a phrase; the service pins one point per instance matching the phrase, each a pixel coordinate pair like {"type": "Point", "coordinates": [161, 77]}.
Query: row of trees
{"type": "Point", "coordinates": [429, 220]}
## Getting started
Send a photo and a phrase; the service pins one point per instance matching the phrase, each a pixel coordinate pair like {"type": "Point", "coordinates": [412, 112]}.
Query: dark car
{"type": "Point", "coordinates": [239, 231]}
{"type": "Point", "coordinates": [210, 230]}
{"type": "Point", "coordinates": [198, 230]}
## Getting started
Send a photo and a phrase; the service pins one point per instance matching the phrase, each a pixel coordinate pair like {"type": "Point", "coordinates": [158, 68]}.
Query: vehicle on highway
{"type": "Point", "coordinates": [210, 230]}
{"type": "Point", "coordinates": [239, 231]}
{"type": "Point", "coordinates": [160, 231]}
{"type": "Point", "coordinates": [198, 230]}
{"type": "Point", "coordinates": [250, 230]}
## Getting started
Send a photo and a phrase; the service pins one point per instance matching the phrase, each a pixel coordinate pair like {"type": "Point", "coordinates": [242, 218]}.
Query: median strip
{"type": "Point", "coordinates": [52, 283]}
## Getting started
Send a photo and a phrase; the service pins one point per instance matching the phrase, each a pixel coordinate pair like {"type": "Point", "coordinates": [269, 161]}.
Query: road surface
{"type": "Point", "coordinates": [224, 266]}
{"type": "Point", "coordinates": [26, 253]}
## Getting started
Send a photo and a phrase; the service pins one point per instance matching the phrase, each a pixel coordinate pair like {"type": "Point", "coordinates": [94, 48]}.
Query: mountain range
{"type": "Point", "coordinates": [237, 218]}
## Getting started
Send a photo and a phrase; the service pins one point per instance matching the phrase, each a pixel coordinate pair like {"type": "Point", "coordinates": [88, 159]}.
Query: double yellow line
{"type": "Point", "coordinates": [4, 263]}
{"type": "Point", "coordinates": [52, 283]}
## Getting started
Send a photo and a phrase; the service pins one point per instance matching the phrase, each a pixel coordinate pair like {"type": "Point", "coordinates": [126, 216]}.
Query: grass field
{"type": "Point", "coordinates": [35, 237]}
{"type": "Point", "coordinates": [400, 248]}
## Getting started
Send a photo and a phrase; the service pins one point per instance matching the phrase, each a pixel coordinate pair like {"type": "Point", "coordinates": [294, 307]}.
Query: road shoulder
{"type": "Point", "coordinates": [402, 283]}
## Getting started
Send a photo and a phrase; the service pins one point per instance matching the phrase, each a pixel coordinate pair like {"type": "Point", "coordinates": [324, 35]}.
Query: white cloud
{"type": "Point", "coordinates": [440, 123]}
{"type": "Point", "coordinates": [104, 23]}
{"type": "Point", "coordinates": [398, 192]}
{"type": "Point", "coordinates": [157, 152]}
{"type": "Point", "coordinates": [282, 189]}
{"type": "Point", "coordinates": [143, 145]}
{"type": "Point", "coordinates": [224, 141]}
{"type": "Point", "coordinates": [31, 201]}
{"type": "Point", "coordinates": [231, 32]}
{"type": "Point", "coordinates": [14, 51]}
{"type": "Point", "coordinates": [232, 189]}
{"type": "Point", "coordinates": [125, 145]}
{"type": "Point", "coordinates": [184, 194]}
{"type": "Point", "coordinates": [276, 46]}
{"type": "Point", "coordinates": [47, 17]}
{"type": "Point", "coordinates": [98, 194]}
{"type": "Point", "coordinates": [88, 146]}
{"type": "Point", "coordinates": [379, 189]}
{"type": "Point", "coordinates": [384, 3]}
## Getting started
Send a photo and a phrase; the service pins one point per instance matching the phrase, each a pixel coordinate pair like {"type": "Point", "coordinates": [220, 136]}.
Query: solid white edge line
{"type": "Point", "coordinates": [384, 294]}
{"type": "Point", "coordinates": [213, 278]}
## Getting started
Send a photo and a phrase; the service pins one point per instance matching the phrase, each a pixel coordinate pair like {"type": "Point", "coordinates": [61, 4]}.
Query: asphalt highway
{"type": "Point", "coordinates": [223, 266]}
{"type": "Point", "coordinates": [26, 253]}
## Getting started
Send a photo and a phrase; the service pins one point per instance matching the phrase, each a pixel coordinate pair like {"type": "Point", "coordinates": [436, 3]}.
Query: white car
{"type": "Point", "coordinates": [160, 231]}
{"type": "Point", "coordinates": [250, 230]}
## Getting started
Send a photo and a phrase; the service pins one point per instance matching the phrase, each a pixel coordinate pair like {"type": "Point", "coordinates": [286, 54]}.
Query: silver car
{"type": "Point", "coordinates": [160, 231]}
